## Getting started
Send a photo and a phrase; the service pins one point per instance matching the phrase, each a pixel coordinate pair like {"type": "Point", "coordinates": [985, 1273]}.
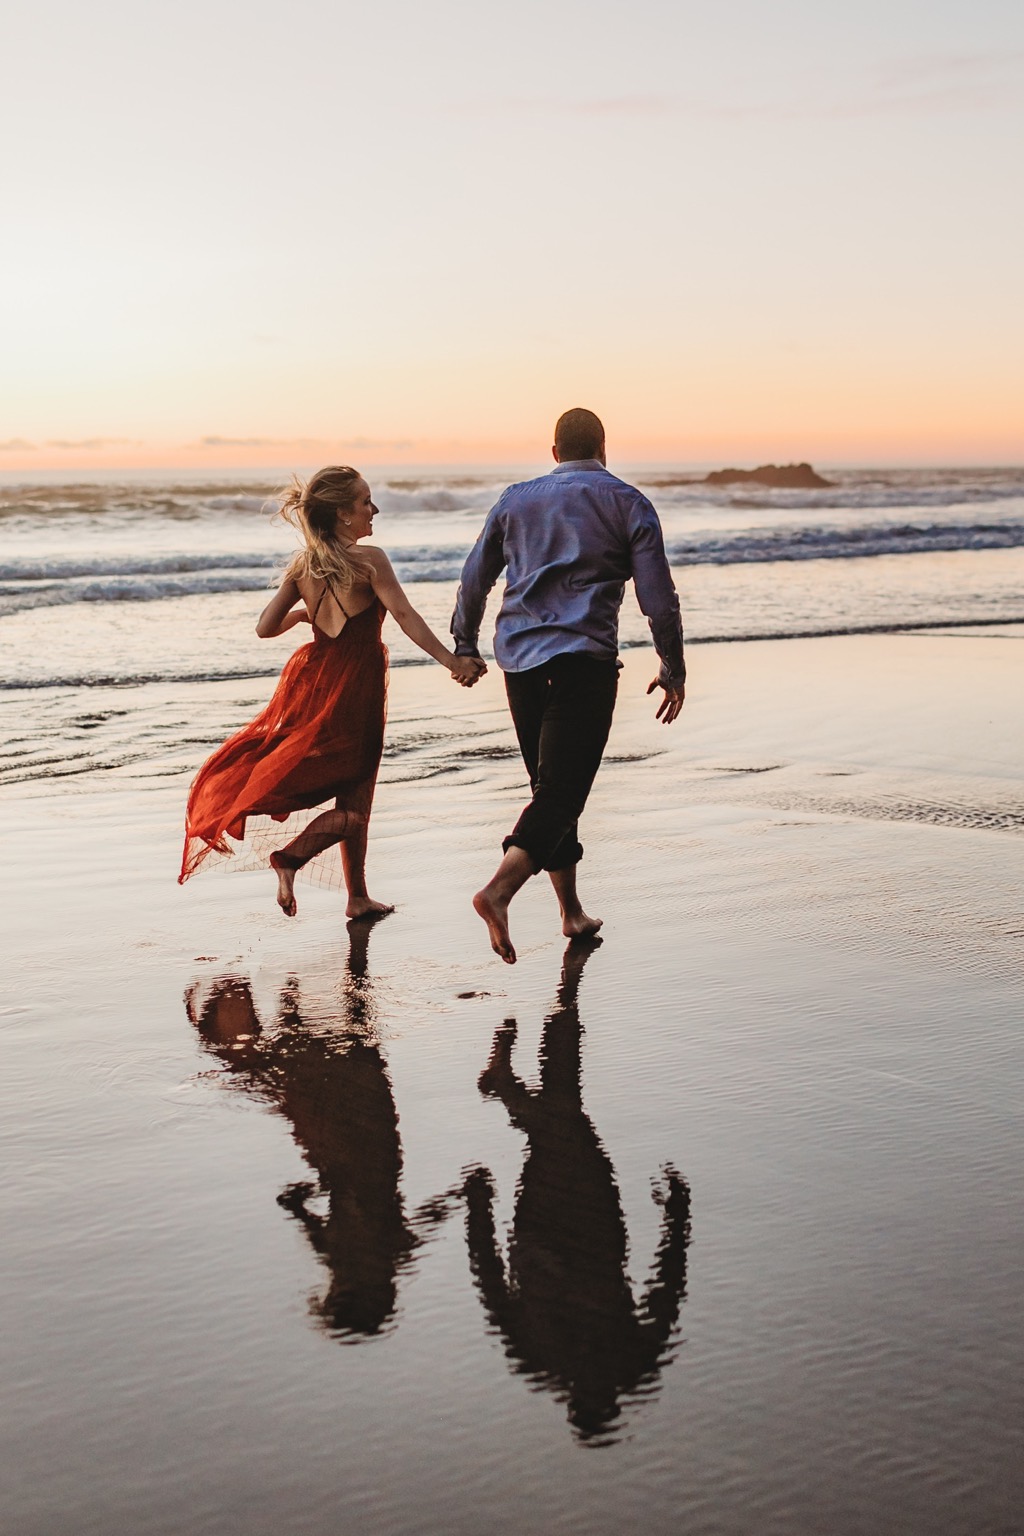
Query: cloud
{"type": "Point", "coordinates": [93, 442]}
{"type": "Point", "coordinates": [301, 444]}
{"type": "Point", "coordinates": [937, 83]}
{"type": "Point", "coordinates": [375, 444]}
{"type": "Point", "coordinates": [926, 84]}
{"type": "Point", "coordinates": [244, 442]}
{"type": "Point", "coordinates": [16, 445]}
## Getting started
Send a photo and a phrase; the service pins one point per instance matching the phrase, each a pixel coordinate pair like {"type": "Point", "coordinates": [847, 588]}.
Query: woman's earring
{"type": "Point", "coordinates": [348, 522]}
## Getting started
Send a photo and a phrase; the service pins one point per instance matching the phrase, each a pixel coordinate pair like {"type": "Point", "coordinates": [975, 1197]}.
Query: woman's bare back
{"type": "Point", "coordinates": [329, 608]}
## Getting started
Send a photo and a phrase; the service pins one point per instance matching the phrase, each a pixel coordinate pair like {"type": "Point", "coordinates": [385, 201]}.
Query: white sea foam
{"type": "Point", "coordinates": [166, 578]}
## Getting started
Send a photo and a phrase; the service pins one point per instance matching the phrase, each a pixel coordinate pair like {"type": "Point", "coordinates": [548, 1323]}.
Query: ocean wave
{"type": "Point", "coordinates": [466, 496]}
{"type": "Point", "coordinates": [850, 492]}
{"type": "Point", "coordinates": [33, 582]}
{"type": "Point", "coordinates": [43, 583]}
{"type": "Point", "coordinates": [47, 504]}
{"type": "Point", "coordinates": [125, 677]}
{"type": "Point", "coordinates": [240, 503]}
{"type": "Point", "coordinates": [62, 568]}
{"type": "Point", "coordinates": [937, 622]}
{"type": "Point", "coordinates": [833, 542]}
{"type": "Point", "coordinates": [161, 498]}
{"type": "Point", "coordinates": [127, 589]}
{"type": "Point", "coordinates": [452, 493]}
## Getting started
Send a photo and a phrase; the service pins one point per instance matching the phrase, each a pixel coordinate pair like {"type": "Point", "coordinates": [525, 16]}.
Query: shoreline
{"type": "Point", "coordinates": [176, 722]}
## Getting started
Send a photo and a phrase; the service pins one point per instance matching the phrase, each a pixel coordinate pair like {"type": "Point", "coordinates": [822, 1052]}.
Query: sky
{"type": "Point", "coordinates": [414, 231]}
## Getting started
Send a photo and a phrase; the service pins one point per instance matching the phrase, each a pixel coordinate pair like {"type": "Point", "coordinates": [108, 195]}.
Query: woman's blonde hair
{"type": "Point", "coordinates": [313, 508]}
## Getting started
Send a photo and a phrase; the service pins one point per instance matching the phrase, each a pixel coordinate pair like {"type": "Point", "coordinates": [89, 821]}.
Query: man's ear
{"type": "Point", "coordinates": [554, 453]}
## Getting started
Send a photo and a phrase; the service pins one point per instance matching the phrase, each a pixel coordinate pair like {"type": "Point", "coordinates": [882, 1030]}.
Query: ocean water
{"type": "Point", "coordinates": [122, 584]}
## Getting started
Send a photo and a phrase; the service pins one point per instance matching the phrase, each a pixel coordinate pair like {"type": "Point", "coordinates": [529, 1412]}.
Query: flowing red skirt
{"type": "Point", "coordinates": [319, 740]}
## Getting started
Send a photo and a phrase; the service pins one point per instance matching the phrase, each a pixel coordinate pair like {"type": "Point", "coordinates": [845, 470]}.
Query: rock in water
{"type": "Point", "coordinates": [786, 477]}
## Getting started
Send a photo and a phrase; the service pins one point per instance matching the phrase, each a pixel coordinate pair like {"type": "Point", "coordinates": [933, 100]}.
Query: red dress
{"type": "Point", "coordinates": [319, 739]}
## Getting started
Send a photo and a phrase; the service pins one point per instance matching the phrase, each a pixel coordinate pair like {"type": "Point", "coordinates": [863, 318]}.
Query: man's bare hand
{"type": "Point", "coordinates": [671, 704]}
{"type": "Point", "coordinates": [468, 670]}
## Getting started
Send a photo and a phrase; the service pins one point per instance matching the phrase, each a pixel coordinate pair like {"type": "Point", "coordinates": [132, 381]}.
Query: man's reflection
{"type": "Point", "coordinates": [564, 1305]}
{"type": "Point", "coordinates": [335, 1090]}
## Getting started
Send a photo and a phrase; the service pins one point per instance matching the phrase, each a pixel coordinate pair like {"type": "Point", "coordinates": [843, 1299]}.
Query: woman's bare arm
{"type": "Point", "coordinates": [281, 614]}
{"type": "Point", "coordinates": [465, 669]}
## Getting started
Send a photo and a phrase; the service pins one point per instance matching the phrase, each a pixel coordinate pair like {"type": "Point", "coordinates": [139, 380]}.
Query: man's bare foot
{"type": "Point", "coordinates": [285, 888]}
{"type": "Point", "coordinates": [364, 907]}
{"type": "Point", "coordinates": [494, 912]}
{"type": "Point", "coordinates": [577, 925]}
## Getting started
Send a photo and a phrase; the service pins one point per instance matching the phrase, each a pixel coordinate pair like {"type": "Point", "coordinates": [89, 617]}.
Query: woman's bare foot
{"type": "Point", "coordinates": [363, 906]}
{"type": "Point", "coordinates": [285, 887]}
{"type": "Point", "coordinates": [494, 911]}
{"type": "Point", "coordinates": [577, 925]}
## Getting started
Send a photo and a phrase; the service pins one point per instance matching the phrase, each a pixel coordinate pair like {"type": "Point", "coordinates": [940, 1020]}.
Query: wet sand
{"type": "Point", "coordinates": [713, 1227]}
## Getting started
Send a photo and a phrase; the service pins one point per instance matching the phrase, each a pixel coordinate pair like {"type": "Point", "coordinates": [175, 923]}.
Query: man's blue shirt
{"type": "Point", "coordinates": [569, 541]}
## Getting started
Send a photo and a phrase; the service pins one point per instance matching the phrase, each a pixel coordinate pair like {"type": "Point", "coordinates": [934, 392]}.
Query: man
{"type": "Point", "coordinates": [570, 541]}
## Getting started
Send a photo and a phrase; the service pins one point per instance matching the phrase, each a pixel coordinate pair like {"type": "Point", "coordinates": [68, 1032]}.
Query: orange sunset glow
{"type": "Point", "coordinates": [766, 241]}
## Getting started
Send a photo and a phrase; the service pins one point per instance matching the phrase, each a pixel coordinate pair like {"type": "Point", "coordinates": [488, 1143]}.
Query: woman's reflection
{"type": "Point", "coordinates": [564, 1305]}
{"type": "Point", "coordinates": [335, 1090]}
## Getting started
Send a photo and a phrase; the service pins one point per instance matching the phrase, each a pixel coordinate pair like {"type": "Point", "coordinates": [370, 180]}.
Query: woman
{"type": "Point", "coordinates": [320, 738]}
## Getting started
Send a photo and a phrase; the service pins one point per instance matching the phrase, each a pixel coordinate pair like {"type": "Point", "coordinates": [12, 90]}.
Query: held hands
{"type": "Point", "coordinates": [671, 704]}
{"type": "Point", "coordinates": [467, 670]}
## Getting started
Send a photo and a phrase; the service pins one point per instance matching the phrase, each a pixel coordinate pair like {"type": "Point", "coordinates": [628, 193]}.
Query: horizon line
{"type": "Point", "coordinates": [499, 468]}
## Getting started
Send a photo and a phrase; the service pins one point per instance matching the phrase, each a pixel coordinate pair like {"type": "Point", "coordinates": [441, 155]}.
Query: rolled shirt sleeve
{"type": "Point", "coordinates": [484, 564]}
{"type": "Point", "coordinates": [655, 591]}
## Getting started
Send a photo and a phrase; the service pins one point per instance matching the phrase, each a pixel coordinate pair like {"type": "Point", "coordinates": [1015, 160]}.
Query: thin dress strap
{"type": "Point", "coordinates": [328, 588]}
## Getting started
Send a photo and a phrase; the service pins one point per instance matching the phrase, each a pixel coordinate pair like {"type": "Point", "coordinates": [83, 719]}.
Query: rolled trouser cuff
{"type": "Point", "coordinates": [562, 856]}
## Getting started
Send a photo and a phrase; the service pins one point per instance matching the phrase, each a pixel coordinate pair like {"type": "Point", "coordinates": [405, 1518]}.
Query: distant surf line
{"type": "Point", "coordinates": [32, 582]}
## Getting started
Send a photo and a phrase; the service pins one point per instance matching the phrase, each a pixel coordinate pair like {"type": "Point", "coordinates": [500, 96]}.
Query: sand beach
{"type": "Point", "coordinates": [714, 1227]}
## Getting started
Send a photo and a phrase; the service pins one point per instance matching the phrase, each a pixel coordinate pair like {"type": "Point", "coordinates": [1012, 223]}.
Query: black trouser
{"type": "Point", "coordinates": [562, 712]}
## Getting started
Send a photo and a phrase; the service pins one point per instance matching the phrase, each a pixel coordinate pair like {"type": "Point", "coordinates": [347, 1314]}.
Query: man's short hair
{"type": "Point", "coordinates": [578, 435]}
